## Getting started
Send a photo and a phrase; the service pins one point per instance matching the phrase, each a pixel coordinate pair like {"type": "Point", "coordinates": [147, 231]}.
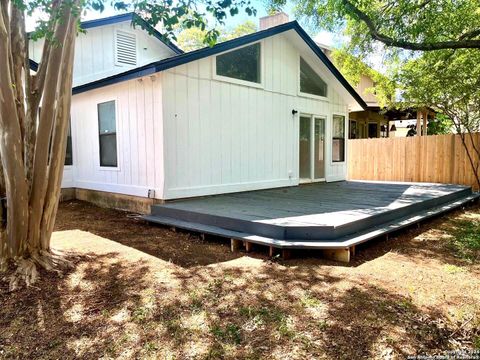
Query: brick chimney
{"type": "Point", "coordinates": [276, 19]}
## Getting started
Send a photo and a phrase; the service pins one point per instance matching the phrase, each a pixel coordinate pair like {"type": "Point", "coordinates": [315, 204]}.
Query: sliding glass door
{"type": "Point", "coordinates": [311, 148]}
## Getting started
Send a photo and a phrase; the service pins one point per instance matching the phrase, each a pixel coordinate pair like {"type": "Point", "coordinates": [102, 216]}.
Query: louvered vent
{"type": "Point", "coordinates": [126, 48]}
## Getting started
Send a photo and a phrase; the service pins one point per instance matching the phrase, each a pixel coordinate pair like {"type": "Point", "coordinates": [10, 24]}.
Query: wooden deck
{"type": "Point", "coordinates": [334, 216]}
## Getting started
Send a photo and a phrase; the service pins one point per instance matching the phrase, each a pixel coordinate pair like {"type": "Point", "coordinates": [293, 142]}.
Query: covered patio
{"type": "Point", "coordinates": [334, 217]}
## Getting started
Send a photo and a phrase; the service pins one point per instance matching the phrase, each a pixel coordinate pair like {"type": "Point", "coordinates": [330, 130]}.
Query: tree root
{"type": "Point", "coordinates": [26, 268]}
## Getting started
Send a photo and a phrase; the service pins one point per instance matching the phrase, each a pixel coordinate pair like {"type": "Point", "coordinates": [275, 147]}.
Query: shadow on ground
{"type": "Point", "coordinates": [219, 305]}
{"type": "Point", "coordinates": [116, 308]}
{"type": "Point", "coordinates": [189, 249]}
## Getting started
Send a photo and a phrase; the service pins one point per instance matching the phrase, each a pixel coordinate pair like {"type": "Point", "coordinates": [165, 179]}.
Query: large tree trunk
{"type": "Point", "coordinates": [32, 156]}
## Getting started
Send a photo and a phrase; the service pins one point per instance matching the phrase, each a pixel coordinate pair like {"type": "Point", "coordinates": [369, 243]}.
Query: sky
{"type": "Point", "coordinates": [322, 36]}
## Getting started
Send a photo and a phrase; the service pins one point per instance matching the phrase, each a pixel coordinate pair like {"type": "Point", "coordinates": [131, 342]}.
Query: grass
{"type": "Point", "coordinates": [476, 342]}
{"type": "Point", "coordinates": [466, 240]}
{"type": "Point", "coordinates": [139, 291]}
{"type": "Point", "coordinates": [230, 333]}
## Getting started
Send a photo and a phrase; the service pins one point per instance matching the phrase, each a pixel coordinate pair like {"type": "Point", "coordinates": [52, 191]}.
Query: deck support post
{"type": "Point", "coordinates": [341, 255]}
{"type": "Point", "coordinates": [271, 251]}
{"type": "Point", "coordinates": [235, 245]}
{"type": "Point", "coordinates": [248, 246]}
{"type": "Point", "coordinates": [286, 254]}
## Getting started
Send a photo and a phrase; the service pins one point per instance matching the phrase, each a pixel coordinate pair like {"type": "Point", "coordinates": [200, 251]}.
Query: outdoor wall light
{"type": "Point", "coordinates": [294, 112]}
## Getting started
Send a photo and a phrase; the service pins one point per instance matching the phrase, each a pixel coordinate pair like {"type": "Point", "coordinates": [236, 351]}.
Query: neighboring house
{"type": "Point", "coordinates": [149, 123]}
{"type": "Point", "coordinates": [364, 123]}
{"type": "Point", "coordinates": [370, 122]}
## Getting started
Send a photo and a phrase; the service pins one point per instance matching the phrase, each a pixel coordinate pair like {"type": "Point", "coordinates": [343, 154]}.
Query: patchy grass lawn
{"type": "Point", "coordinates": [140, 291]}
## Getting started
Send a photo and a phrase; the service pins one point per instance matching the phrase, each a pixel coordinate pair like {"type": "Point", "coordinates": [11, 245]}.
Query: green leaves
{"type": "Point", "coordinates": [416, 25]}
{"type": "Point", "coordinates": [168, 15]}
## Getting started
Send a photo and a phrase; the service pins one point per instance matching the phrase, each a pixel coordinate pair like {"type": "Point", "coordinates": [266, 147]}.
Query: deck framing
{"type": "Point", "coordinates": [244, 218]}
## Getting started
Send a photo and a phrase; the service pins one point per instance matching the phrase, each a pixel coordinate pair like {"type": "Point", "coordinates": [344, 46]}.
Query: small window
{"type": "Point", "coordinates": [310, 82]}
{"type": "Point", "coordinates": [338, 139]}
{"type": "Point", "coordinates": [69, 151]}
{"type": "Point", "coordinates": [125, 48]}
{"type": "Point", "coordinates": [242, 64]}
{"type": "Point", "coordinates": [107, 134]}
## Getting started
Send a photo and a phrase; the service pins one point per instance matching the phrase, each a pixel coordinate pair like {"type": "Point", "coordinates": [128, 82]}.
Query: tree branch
{"type": "Point", "coordinates": [17, 43]}
{"type": "Point", "coordinates": [461, 43]}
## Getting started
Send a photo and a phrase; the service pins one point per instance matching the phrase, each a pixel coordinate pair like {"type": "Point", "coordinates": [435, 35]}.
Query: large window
{"type": "Point", "coordinates": [107, 134]}
{"type": "Point", "coordinates": [310, 82]}
{"type": "Point", "coordinates": [338, 139]}
{"type": "Point", "coordinates": [242, 64]}
{"type": "Point", "coordinates": [69, 151]}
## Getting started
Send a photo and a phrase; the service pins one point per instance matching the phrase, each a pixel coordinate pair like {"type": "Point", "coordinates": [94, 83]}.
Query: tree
{"type": "Point", "coordinates": [33, 143]}
{"type": "Point", "coordinates": [443, 70]}
{"type": "Point", "coordinates": [245, 28]}
{"type": "Point", "coordinates": [352, 68]}
{"type": "Point", "coordinates": [423, 25]}
{"type": "Point", "coordinates": [448, 81]}
{"type": "Point", "coordinates": [191, 39]}
{"type": "Point", "coordinates": [195, 38]}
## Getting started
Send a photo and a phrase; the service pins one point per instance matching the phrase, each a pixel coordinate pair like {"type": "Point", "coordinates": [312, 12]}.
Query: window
{"type": "Point", "coordinates": [69, 151]}
{"type": "Point", "coordinates": [338, 139]}
{"type": "Point", "coordinates": [125, 48]}
{"type": "Point", "coordinates": [353, 130]}
{"type": "Point", "coordinates": [107, 134]}
{"type": "Point", "coordinates": [242, 64]}
{"type": "Point", "coordinates": [310, 82]}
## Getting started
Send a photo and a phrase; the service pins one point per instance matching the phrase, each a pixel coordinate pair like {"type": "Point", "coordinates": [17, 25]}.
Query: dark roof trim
{"type": "Point", "coordinates": [225, 46]}
{"type": "Point", "coordinates": [130, 17]}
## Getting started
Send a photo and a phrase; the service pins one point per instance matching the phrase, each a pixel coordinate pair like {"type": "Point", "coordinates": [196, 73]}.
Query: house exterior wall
{"type": "Point", "coordinates": [95, 52]}
{"type": "Point", "coordinates": [183, 132]}
{"type": "Point", "coordinates": [362, 119]}
{"type": "Point", "coordinates": [225, 137]}
{"type": "Point", "coordinates": [364, 88]}
{"type": "Point", "coordinates": [139, 139]}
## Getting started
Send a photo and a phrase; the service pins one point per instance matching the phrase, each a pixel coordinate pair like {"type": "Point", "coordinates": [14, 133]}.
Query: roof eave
{"type": "Point", "coordinates": [225, 46]}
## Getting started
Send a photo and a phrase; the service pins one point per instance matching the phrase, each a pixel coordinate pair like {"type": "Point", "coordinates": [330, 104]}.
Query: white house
{"type": "Point", "coordinates": [149, 122]}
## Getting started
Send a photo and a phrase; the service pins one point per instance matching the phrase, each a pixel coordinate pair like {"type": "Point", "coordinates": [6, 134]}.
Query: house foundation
{"type": "Point", "coordinates": [110, 200]}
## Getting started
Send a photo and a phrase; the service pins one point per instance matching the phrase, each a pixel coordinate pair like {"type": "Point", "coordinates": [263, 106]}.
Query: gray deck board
{"type": "Point", "coordinates": [322, 211]}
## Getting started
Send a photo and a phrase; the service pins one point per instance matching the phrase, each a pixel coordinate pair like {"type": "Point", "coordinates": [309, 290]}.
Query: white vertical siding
{"type": "Point", "coordinates": [223, 137]}
{"type": "Point", "coordinates": [184, 133]}
{"type": "Point", "coordinates": [95, 52]}
{"type": "Point", "coordinates": [139, 139]}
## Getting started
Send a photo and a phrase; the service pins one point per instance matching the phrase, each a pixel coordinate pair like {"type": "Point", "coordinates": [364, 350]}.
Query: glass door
{"type": "Point", "coordinates": [311, 148]}
{"type": "Point", "coordinates": [305, 148]}
{"type": "Point", "coordinates": [319, 150]}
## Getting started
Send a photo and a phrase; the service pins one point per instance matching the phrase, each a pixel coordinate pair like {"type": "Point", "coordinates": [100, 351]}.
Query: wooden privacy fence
{"type": "Point", "coordinates": [434, 158]}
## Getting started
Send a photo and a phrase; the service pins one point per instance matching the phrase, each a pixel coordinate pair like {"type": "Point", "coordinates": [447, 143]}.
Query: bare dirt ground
{"type": "Point", "coordinates": [142, 291]}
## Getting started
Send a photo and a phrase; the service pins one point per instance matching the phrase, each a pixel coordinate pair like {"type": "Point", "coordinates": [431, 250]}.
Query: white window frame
{"type": "Point", "coordinates": [345, 128]}
{"type": "Point", "coordinates": [115, 48]}
{"type": "Point", "coordinates": [260, 85]}
{"type": "Point", "coordinates": [307, 95]}
{"type": "Point", "coordinates": [100, 167]}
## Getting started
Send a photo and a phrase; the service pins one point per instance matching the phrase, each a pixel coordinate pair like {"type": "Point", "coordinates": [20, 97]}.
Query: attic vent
{"type": "Point", "coordinates": [126, 48]}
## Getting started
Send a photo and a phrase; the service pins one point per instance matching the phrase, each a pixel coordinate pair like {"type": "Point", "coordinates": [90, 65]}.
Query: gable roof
{"type": "Point", "coordinates": [131, 17]}
{"type": "Point", "coordinates": [221, 47]}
